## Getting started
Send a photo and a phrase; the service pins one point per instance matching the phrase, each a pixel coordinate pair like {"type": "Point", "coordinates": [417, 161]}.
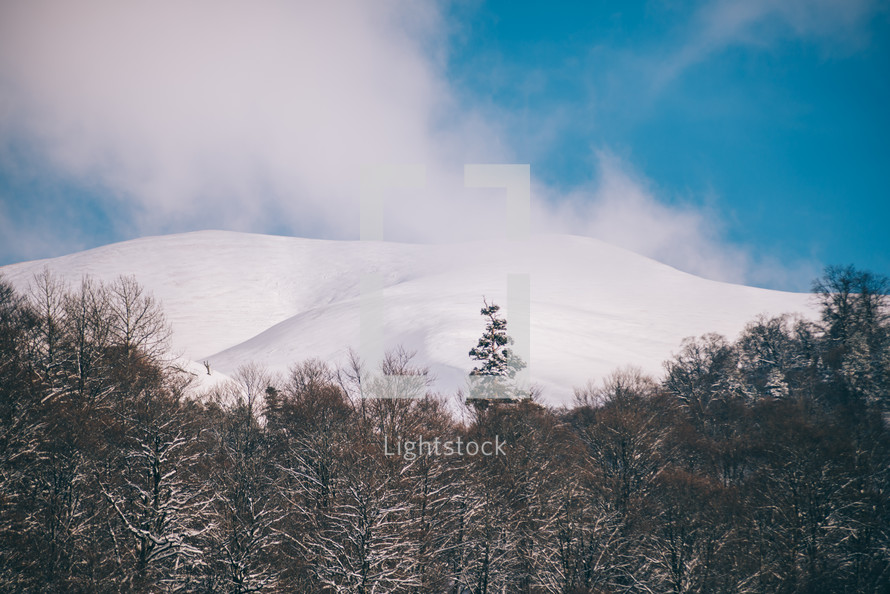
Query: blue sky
{"type": "Point", "coordinates": [746, 141]}
{"type": "Point", "coordinates": [781, 127]}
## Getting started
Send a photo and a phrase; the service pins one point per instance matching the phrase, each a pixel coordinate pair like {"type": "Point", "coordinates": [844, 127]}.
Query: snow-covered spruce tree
{"type": "Point", "coordinates": [498, 364]}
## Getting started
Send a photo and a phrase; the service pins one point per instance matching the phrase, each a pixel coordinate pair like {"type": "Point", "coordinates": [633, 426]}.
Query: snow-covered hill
{"type": "Point", "coordinates": [233, 298]}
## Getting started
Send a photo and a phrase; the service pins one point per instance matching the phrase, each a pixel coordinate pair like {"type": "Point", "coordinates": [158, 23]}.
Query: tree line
{"type": "Point", "coordinates": [754, 465]}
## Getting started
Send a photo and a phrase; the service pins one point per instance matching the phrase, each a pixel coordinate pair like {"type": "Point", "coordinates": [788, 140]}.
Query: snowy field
{"type": "Point", "coordinates": [234, 298]}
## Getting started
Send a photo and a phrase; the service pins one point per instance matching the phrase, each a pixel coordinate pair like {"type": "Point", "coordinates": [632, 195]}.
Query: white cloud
{"type": "Point", "coordinates": [261, 115]}
{"type": "Point", "coordinates": [224, 113]}
{"type": "Point", "coordinates": [838, 25]}
{"type": "Point", "coordinates": [621, 209]}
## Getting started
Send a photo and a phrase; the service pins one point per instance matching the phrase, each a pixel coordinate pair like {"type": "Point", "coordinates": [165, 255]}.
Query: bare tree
{"type": "Point", "coordinates": [149, 483]}
{"type": "Point", "coordinates": [137, 320]}
{"type": "Point", "coordinates": [48, 296]}
{"type": "Point", "coordinates": [246, 506]}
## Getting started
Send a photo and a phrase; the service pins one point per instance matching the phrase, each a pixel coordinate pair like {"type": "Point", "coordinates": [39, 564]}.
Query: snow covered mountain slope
{"type": "Point", "coordinates": [233, 298]}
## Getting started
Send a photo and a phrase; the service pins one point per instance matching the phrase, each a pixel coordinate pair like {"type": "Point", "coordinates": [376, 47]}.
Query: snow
{"type": "Point", "coordinates": [233, 298]}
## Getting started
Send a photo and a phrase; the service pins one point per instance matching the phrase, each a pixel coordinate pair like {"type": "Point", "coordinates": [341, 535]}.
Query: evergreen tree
{"type": "Point", "coordinates": [492, 349]}
{"type": "Point", "coordinates": [497, 362]}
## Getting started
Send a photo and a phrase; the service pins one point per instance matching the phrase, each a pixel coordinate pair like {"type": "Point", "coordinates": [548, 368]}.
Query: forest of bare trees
{"type": "Point", "coordinates": [754, 465]}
